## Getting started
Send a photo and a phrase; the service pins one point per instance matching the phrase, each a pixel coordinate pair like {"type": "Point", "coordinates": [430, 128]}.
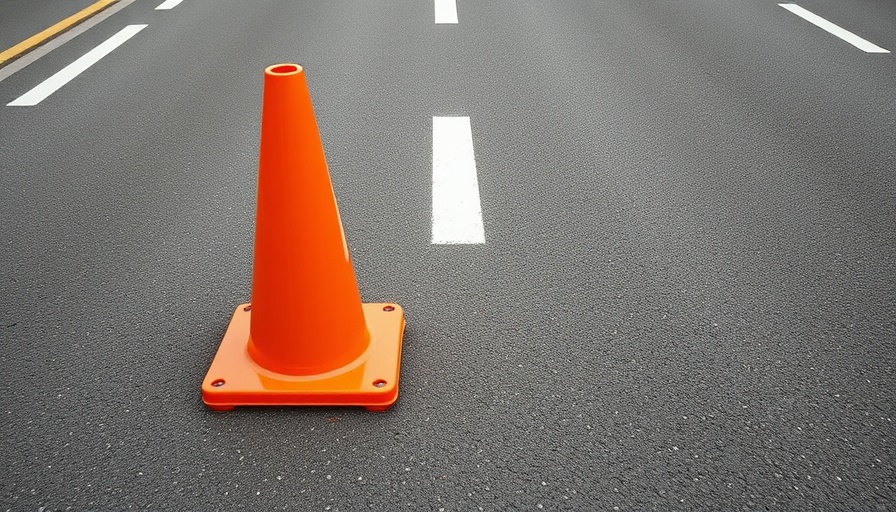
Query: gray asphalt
{"type": "Point", "coordinates": [686, 300]}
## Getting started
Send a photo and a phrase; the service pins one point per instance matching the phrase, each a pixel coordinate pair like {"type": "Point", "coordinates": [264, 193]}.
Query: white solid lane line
{"type": "Point", "coordinates": [456, 212]}
{"type": "Point", "coordinates": [446, 11]}
{"type": "Point", "coordinates": [842, 33]}
{"type": "Point", "coordinates": [66, 74]}
{"type": "Point", "coordinates": [168, 4]}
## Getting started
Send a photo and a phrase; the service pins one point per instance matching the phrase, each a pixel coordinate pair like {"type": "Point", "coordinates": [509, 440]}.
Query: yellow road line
{"type": "Point", "coordinates": [49, 32]}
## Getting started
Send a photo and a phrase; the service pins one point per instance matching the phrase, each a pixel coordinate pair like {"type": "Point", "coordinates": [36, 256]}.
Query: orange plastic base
{"type": "Point", "coordinates": [370, 381]}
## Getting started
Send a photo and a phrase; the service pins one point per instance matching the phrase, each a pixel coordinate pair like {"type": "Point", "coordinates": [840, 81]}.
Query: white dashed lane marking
{"type": "Point", "coordinates": [446, 11]}
{"type": "Point", "coordinates": [168, 4]}
{"type": "Point", "coordinates": [32, 56]}
{"type": "Point", "coordinates": [842, 33]}
{"type": "Point", "coordinates": [456, 211]}
{"type": "Point", "coordinates": [66, 74]}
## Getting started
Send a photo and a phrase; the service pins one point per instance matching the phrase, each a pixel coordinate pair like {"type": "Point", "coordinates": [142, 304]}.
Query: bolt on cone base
{"type": "Point", "coordinates": [369, 381]}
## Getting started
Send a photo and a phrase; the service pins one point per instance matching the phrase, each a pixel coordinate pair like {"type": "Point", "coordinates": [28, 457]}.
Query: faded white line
{"type": "Point", "coordinates": [446, 11]}
{"type": "Point", "coordinates": [456, 212]}
{"type": "Point", "coordinates": [168, 4]}
{"type": "Point", "coordinates": [32, 56]}
{"type": "Point", "coordinates": [66, 74]}
{"type": "Point", "coordinates": [842, 33]}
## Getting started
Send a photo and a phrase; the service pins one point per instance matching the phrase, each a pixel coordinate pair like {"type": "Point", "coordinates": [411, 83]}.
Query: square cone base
{"type": "Point", "coordinates": [370, 381]}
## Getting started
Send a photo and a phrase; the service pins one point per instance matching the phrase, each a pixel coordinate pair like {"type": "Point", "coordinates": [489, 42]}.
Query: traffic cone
{"type": "Point", "coordinates": [306, 338]}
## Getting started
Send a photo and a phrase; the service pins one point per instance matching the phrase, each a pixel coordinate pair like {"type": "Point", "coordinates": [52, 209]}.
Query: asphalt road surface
{"type": "Point", "coordinates": [685, 298]}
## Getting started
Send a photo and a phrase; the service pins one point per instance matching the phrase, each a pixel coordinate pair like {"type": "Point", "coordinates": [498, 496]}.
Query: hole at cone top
{"type": "Point", "coordinates": [284, 69]}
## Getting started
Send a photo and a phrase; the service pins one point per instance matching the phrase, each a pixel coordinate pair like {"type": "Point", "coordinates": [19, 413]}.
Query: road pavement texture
{"type": "Point", "coordinates": [685, 298]}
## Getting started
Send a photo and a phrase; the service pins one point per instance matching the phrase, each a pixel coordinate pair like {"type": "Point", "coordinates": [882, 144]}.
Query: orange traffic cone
{"type": "Point", "coordinates": [306, 338]}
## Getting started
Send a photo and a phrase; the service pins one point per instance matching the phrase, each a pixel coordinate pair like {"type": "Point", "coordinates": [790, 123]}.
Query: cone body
{"type": "Point", "coordinates": [307, 317]}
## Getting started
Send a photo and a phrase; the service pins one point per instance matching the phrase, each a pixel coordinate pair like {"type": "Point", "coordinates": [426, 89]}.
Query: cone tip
{"type": "Point", "coordinates": [283, 70]}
